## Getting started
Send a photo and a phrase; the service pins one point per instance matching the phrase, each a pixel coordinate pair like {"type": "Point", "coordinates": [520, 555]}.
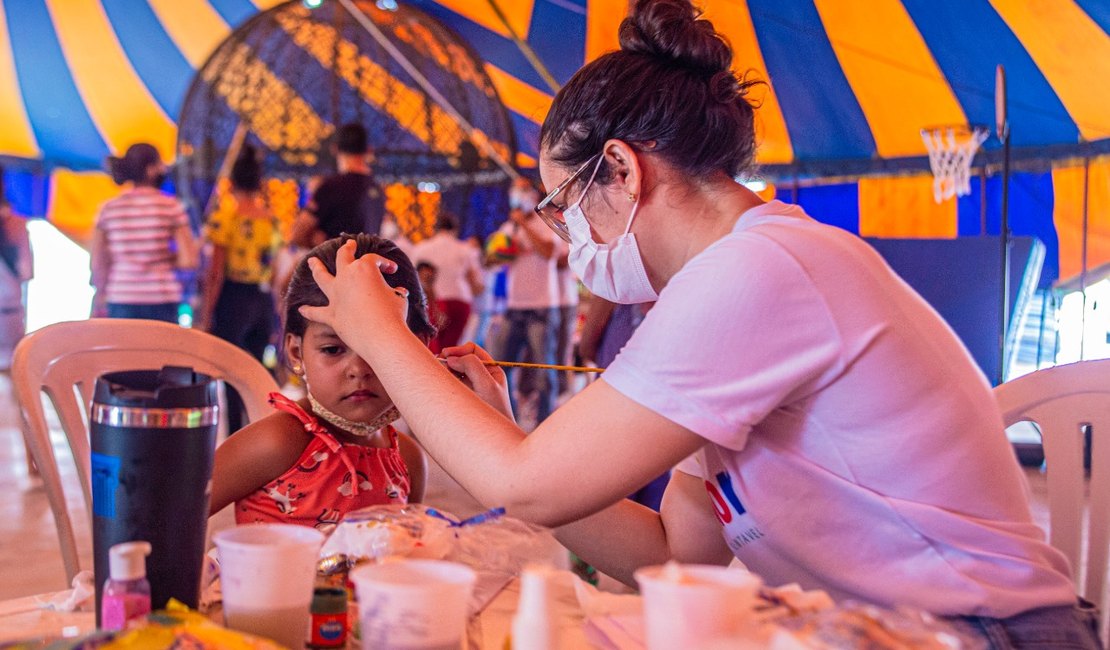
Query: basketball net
{"type": "Point", "coordinates": [951, 150]}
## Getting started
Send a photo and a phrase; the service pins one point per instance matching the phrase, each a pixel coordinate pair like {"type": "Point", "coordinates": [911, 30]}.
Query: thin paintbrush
{"type": "Point", "coordinates": [540, 366]}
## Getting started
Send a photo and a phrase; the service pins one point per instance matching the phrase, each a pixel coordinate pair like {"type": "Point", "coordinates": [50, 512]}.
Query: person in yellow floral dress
{"type": "Point", "coordinates": [243, 236]}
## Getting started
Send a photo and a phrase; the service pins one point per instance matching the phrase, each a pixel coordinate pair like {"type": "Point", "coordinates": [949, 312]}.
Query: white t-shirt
{"type": "Point", "coordinates": [855, 446]}
{"type": "Point", "coordinates": [453, 260]}
{"type": "Point", "coordinates": [568, 281]}
{"type": "Point", "coordinates": [533, 282]}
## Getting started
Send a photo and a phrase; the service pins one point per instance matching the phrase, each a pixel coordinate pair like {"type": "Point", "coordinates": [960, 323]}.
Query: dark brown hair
{"type": "Point", "coordinates": [352, 138]}
{"type": "Point", "coordinates": [670, 84]}
{"type": "Point", "coordinates": [133, 165]}
{"type": "Point", "coordinates": [246, 173]}
{"type": "Point", "coordinates": [303, 289]}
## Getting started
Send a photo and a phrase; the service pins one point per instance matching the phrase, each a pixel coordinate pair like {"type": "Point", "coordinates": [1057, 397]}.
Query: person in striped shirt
{"type": "Point", "coordinates": [142, 238]}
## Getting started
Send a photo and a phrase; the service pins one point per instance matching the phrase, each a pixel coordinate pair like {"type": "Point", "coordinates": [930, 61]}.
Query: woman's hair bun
{"type": "Point", "coordinates": [671, 29]}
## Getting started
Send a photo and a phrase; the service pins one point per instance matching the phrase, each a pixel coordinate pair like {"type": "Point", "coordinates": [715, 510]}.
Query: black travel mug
{"type": "Point", "coordinates": [153, 438]}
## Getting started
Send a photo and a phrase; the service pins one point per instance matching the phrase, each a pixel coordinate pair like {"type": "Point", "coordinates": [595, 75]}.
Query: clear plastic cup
{"type": "Point", "coordinates": [413, 604]}
{"type": "Point", "coordinates": [694, 605]}
{"type": "Point", "coordinates": [267, 573]}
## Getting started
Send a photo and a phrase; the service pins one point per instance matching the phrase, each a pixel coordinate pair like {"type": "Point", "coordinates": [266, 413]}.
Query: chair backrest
{"type": "Point", "coordinates": [64, 361]}
{"type": "Point", "coordinates": [1061, 401]}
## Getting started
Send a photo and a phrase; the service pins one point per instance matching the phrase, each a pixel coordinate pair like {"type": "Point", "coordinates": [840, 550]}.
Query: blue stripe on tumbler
{"type": "Point", "coordinates": [822, 115]}
{"type": "Point", "coordinates": [958, 34]}
{"type": "Point", "coordinates": [105, 481]}
{"type": "Point", "coordinates": [65, 132]}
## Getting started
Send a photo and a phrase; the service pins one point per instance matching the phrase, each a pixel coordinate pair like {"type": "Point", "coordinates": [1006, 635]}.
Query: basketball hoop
{"type": "Point", "coordinates": [951, 150]}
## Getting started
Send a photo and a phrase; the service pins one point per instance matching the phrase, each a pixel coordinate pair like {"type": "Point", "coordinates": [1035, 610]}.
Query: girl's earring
{"type": "Point", "coordinates": [631, 196]}
{"type": "Point", "coordinates": [298, 370]}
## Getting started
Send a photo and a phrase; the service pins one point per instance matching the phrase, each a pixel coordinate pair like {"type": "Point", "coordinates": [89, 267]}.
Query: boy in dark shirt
{"type": "Point", "coordinates": [348, 202]}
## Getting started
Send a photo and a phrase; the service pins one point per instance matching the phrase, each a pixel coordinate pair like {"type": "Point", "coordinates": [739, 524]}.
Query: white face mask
{"type": "Point", "coordinates": [613, 271]}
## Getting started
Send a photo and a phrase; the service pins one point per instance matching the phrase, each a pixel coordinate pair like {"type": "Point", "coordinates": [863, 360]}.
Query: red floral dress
{"type": "Point", "coordinates": [329, 479]}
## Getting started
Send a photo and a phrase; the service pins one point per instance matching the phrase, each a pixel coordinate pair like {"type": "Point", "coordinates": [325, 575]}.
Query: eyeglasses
{"type": "Point", "coordinates": [551, 212]}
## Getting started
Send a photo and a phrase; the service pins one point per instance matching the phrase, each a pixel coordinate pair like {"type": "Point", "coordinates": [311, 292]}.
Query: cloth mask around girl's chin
{"type": "Point", "coordinates": [613, 271]}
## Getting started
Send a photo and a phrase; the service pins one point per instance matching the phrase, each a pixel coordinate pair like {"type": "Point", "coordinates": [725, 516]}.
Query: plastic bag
{"type": "Point", "coordinates": [396, 531]}
{"type": "Point", "coordinates": [489, 542]}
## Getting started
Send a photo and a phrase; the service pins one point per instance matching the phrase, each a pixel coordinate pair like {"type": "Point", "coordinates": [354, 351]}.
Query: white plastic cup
{"type": "Point", "coordinates": [267, 573]}
{"type": "Point", "coordinates": [694, 605]}
{"type": "Point", "coordinates": [413, 604]}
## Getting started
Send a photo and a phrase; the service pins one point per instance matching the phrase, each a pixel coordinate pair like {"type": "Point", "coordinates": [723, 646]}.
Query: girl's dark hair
{"type": "Point", "coordinates": [303, 289]}
{"type": "Point", "coordinates": [246, 173]}
{"type": "Point", "coordinates": [133, 165]}
{"type": "Point", "coordinates": [669, 89]}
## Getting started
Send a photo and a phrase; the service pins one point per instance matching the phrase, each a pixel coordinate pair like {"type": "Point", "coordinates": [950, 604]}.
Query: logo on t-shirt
{"type": "Point", "coordinates": [729, 511]}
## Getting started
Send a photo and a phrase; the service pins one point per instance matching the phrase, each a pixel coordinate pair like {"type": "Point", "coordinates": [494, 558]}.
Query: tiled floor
{"type": "Point", "coordinates": [30, 561]}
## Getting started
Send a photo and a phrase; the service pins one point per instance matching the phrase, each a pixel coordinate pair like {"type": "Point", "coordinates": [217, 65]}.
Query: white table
{"type": "Point", "coordinates": [23, 618]}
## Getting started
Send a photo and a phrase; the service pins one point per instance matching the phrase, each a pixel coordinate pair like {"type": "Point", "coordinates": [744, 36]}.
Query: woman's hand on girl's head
{"type": "Point", "coordinates": [359, 299]}
{"type": "Point", "coordinates": [487, 381]}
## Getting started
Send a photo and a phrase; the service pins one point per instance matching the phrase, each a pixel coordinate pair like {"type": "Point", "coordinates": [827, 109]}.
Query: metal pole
{"type": "Point", "coordinates": [1005, 244]}
{"type": "Point", "coordinates": [983, 200]}
{"type": "Point", "coordinates": [1002, 127]}
{"type": "Point", "coordinates": [427, 86]}
{"type": "Point", "coordinates": [1083, 269]}
{"type": "Point", "coordinates": [525, 49]}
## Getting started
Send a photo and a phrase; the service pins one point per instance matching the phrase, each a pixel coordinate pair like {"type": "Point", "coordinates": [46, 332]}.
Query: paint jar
{"type": "Point", "coordinates": [329, 618]}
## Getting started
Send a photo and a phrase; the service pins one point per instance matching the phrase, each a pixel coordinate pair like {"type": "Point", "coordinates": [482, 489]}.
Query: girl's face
{"type": "Point", "coordinates": [337, 377]}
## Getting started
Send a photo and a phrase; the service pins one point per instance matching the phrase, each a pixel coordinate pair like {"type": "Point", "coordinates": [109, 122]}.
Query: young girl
{"type": "Point", "coordinates": [333, 451]}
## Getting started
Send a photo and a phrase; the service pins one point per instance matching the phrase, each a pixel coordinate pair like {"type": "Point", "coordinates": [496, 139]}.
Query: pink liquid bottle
{"type": "Point", "coordinates": [127, 591]}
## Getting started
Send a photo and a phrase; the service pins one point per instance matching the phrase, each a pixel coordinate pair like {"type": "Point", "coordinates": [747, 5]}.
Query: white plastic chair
{"type": "Point", "coordinates": [1061, 401]}
{"type": "Point", "coordinates": [64, 360]}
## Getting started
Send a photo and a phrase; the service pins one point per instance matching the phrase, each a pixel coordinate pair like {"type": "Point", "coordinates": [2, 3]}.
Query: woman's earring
{"type": "Point", "coordinates": [631, 196]}
{"type": "Point", "coordinates": [297, 370]}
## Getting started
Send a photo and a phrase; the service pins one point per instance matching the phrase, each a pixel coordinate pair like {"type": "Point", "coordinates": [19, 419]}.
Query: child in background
{"type": "Point", "coordinates": [335, 450]}
{"type": "Point", "coordinates": [428, 274]}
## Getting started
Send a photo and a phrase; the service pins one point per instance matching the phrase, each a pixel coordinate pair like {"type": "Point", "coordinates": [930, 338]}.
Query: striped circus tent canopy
{"type": "Point", "coordinates": [850, 86]}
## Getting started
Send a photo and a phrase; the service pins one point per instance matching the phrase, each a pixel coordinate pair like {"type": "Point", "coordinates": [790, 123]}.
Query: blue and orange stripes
{"type": "Point", "coordinates": [61, 124]}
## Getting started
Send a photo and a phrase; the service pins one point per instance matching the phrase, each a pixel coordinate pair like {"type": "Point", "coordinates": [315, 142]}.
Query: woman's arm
{"type": "Point", "coordinates": [417, 464]}
{"type": "Point", "coordinates": [254, 456]}
{"type": "Point", "coordinates": [188, 250]}
{"type": "Point", "coordinates": [100, 262]}
{"type": "Point", "coordinates": [532, 476]}
{"type": "Point", "coordinates": [627, 536]}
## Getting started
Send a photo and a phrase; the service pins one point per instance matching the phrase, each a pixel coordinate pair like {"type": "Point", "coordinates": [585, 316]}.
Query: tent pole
{"type": "Point", "coordinates": [1002, 128]}
{"type": "Point", "coordinates": [427, 87]}
{"type": "Point", "coordinates": [525, 49]}
{"type": "Point", "coordinates": [1005, 244]}
{"type": "Point", "coordinates": [1083, 261]}
{"type": "Point", "coordinates": [983, 199]}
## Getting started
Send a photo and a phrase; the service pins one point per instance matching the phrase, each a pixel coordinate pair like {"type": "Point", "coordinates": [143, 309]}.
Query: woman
{"type": "Point", "coordinates": [142, 238]}
{"type": "Point", "coordinates": [844, 436]}
{"type": "Point", "coordinates": [245, 237]}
